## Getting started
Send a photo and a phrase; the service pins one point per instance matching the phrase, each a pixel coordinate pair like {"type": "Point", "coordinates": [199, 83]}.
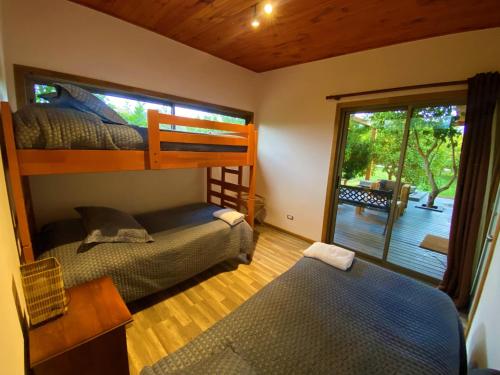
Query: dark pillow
{"type": "Point", "coordinates": [104, 224]}
{"type": "Point", "coordinates": [387, 185]}
{"type": "Point", "coordinates": [75, 97]}
{"type": "Point", "coordinates": [226, 362]}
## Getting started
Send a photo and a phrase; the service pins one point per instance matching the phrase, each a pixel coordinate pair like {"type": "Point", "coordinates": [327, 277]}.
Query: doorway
{"type": "Point", "coordinates": [394, 183]}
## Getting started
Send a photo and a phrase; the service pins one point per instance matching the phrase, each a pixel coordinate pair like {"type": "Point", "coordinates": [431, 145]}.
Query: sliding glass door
{"type": "Point", "coordinates": [371, 150]}
{"type": "Point", "coordinates": [422, 218]}
{"type": "Point", "coordinates": [395, 183]}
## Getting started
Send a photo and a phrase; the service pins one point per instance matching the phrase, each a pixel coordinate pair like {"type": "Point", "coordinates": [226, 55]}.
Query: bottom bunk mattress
{"type": "Point", "coordinates": [187, 240]}
{"type": "Point", "coordinates": [316, 319]}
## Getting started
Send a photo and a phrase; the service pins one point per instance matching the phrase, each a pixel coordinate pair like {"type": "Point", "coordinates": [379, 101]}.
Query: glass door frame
{"type": "Point", "coordinates": [343, 111]}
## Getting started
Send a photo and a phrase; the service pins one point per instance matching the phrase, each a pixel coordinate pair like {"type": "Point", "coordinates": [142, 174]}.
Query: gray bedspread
{"type": "Point", "coordinates": [46, 126]}
{"type": "Point", "coordinates": [316, 319]}
{"type": "Point", "coordinates": [187, 240]}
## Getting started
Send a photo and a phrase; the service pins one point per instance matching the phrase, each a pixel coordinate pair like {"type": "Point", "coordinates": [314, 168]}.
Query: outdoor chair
{"type": "Point", "coordinates": [404, 196]}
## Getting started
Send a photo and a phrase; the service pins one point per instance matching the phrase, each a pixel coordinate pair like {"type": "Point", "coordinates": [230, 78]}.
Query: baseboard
{"type": "Point", "coordinates": [290, 233]}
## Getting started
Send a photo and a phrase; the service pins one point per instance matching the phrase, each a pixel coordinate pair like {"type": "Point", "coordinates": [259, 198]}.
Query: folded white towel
{"type": "Point", "coordinates": [229, 215]}
{"type": "Point", "coordinates": [330, 254]}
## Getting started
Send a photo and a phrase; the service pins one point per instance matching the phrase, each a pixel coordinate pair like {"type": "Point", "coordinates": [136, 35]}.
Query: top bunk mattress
{"type": "Point", "coordinates": [47, 127]}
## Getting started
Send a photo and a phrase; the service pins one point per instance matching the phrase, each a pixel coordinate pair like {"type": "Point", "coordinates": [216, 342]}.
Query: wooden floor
{"type": "Point", "coordinates": [167, 321]}
{"type": "Point", "coordinates": [364, 233]}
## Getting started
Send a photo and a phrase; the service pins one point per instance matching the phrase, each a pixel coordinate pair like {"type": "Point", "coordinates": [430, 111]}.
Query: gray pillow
{"type": "Point", "coordinates": [226, 362]}
{"type": "Point", "coordinates": [104, 224]}
{"type": "Point", "coordinates": [75, 97]}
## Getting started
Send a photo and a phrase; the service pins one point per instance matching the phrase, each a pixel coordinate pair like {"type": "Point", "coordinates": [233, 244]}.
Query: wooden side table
{"type": "Point", "coordinates": [88, 339]}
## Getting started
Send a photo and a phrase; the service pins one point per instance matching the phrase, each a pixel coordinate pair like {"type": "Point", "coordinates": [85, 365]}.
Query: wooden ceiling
{"type": "Point", "coordinates": [299, 31]}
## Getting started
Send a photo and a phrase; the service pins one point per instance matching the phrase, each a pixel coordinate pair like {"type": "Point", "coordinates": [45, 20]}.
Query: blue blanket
{"type": "Point", "coordinates": [316, 319]}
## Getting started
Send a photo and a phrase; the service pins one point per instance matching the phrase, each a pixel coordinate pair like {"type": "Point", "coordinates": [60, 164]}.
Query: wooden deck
{"type": "Point", "coordinates": [364, 232]}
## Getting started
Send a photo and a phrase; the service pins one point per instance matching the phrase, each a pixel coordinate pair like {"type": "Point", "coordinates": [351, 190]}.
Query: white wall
{"type": "Point", "coordinates": [483, 341]}
{"type": "Point", "coordinates": [11, 296]}
{"type": "Point", "coordinates": [11, 339]}
{"type": "Point", "coordinates": [66, 37]}
{"type": "Point", "coordinates": [296, 122]}
{"type": "Point", "coordinates": [134, 192]}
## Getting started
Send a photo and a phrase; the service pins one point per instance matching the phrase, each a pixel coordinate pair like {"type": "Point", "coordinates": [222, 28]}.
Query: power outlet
{"type": "Point", "coordinates": [289, 217]}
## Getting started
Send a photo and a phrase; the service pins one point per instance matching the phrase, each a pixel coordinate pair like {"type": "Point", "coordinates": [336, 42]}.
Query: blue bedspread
{"type": "Point", "coordinates": [316, 319]}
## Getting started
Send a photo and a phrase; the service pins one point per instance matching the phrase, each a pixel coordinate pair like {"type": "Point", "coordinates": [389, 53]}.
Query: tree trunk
{"type": "Point", "coordinates": [390, 175]}
{"type": "Point", "coordinates": [431, 198]}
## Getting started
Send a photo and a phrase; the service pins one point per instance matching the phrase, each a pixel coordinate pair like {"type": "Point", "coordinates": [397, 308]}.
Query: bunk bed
{"type": "Point", "coordinates": [234, 148]}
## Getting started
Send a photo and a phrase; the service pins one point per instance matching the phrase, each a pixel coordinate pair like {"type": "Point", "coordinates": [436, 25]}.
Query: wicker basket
{"type": "Point", "coordinates": [43, 289]}
{"type": "Point", "coordinates": [260, 207]}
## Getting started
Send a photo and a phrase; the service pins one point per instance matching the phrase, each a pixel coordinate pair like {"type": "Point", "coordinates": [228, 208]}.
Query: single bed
{"type": "Point", "coordinates": [187, 240]}
{"type": "Point", "coordinates": [316, 319]}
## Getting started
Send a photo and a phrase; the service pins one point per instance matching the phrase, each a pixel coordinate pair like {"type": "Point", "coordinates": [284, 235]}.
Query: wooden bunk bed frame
{"type": "Point", "coordinates": [22, 163]}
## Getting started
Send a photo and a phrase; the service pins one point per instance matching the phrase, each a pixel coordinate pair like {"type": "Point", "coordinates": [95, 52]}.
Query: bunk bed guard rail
{"type": "Point", "coordinates": [224, 135]}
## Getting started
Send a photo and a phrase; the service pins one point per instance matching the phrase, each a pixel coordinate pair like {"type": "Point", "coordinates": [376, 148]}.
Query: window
{"type": "Point", "coordinates": [42, 89]}
{"type": "Point", "coordinates": [130, 103]}
{"type": "Point", "coordinates": [203, 115]}
{"type": "Point", "coordinates": [132, 110]}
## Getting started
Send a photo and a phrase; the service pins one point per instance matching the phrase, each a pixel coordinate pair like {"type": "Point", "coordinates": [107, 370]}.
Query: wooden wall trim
{"type": "Point", "coordinates": [394, 89]}
{"type": "Point", "coordinates": [306, 239]}
{"type": "Point", "coordinates": [25, 75]}
{"type": "Point", "coordinates": [482, 281]}
{"type": "Point", "coordinates": [327, 210]}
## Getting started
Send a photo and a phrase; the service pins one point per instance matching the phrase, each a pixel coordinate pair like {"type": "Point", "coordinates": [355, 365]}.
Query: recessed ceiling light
{"type": "Point", "coordinates": [268, 8]}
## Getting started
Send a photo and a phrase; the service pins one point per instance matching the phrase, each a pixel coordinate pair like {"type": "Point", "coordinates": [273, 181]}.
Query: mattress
{"type": "Point", "coordinates": [44, 126]}
{"type": "Point", "coordinates": [187, 240]}
{"type": "Point", "coordinates": [316, 319]}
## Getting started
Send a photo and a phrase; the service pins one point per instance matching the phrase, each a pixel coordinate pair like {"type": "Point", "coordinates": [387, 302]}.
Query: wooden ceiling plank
{"type": "Point", "coordinates": [299, 31]}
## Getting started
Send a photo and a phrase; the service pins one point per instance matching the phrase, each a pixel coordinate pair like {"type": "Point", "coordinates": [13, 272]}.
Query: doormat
{"type": "Point", "coordinates": [435, 243]}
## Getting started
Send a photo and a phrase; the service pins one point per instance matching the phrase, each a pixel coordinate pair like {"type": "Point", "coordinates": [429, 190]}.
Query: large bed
{"type": "Point", "coordinates": [316, 319]}
{"type": "Point", "coordinates": [187, 240]}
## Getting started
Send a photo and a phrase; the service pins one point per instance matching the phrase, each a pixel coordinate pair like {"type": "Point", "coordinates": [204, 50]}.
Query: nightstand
{"type": "Point", "coordinates": [88, 339]}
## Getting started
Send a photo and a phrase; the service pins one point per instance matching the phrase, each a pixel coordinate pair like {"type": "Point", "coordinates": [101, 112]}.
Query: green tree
{"type": "Point", "coordinates": [389, 127]}
{"type": "Point", "coordinates": [358, 151]}
{"type": "Point", "coordinates": [434, 143]}
{"type": "Point", "coordinates": [43, 89]}
{"type": "Point", "coordinates": [136, 115]}
{"type": "Point", "coordinates": [436, 139]}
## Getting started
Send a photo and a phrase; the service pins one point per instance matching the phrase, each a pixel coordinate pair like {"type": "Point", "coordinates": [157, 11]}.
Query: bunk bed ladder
{"type": "Point", "coordinates": [233, 195]}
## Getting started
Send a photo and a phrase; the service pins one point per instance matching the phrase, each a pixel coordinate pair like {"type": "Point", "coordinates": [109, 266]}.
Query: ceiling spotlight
{"type": "Point", "coordinates": [255, 20]}
{"type": "Point", "coordinates": [268, 8]}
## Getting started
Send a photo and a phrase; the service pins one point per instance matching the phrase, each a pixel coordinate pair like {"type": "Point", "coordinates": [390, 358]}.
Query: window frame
{"type": "Point", "coordinates": [26, 77]}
